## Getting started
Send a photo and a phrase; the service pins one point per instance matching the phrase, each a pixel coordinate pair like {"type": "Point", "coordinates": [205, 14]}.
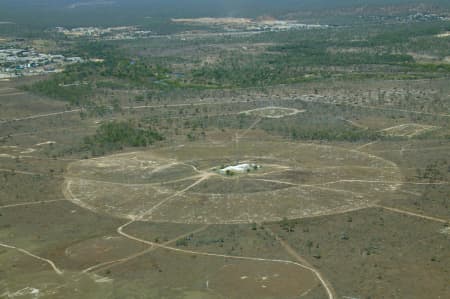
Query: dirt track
{"type": "Point", "coordinates": [26, 252]}
{"type": "Point", "coordinates": [191, 252]}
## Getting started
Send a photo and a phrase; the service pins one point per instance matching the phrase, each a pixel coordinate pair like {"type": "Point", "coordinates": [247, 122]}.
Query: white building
{"type": "Point", "coordinates": [240, 168]}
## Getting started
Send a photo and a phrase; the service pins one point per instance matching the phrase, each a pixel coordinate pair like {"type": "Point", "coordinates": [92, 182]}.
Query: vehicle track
{"type": "Point", "coordinates": [191, 252]}
{"type": "Point", "coordinates": [314, 186]}
{"type": "Point", "coordinates": [30, 203]}
{"type": "Point", "coordinates": [164, 201]}
{"type": "Point", "coordinates": [41, 115]}
{"type": "Point", "coordinates": [109, 264]}
{"type": "Point", "coordinates": [301, 98]}
{"type": "Point", "coordinates": [380, 182]}
{"type": "Point", "coordinates": [326, 284]}
{"type": "Point", "coordinates": [408, 213]}
{"type": "Point", "coordinates": [26, 252]}
{"type": "Point", "coordinates": [12, 94]}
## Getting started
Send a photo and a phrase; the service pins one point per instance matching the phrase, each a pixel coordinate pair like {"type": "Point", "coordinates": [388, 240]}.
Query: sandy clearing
{"type": "Point", "coordinates": [45, 143]}
{"type": "Point", "coordinates": [28, 151]}
{"type": "Point", "coordinates": [212, 21]}
{"type": "Point", "coordinates": [443, 35]}
{"type": "Point", "coordinates": [408, 130]}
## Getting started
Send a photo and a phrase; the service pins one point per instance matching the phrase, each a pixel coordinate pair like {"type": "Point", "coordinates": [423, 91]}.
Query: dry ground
{"type": "Point", "coordinates": [392, 244]}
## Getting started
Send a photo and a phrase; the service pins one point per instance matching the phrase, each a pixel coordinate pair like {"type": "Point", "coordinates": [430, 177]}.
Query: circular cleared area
{"type": "Point", "coordinates": [254, 182]}
{"type": "Point", "coordinates": [272, 112]}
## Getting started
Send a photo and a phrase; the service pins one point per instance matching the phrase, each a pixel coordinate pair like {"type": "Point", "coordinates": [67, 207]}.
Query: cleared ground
{"type": "Point", "coordinates": [181, 185]}
{"type": "Point", "coordinates": [273, 112]}
{"type": "Point", "coordinates": [408, 130]}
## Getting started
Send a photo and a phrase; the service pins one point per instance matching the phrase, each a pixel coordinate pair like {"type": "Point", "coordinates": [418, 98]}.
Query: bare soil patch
{"type": "Point", "coordinates": [408, 130]}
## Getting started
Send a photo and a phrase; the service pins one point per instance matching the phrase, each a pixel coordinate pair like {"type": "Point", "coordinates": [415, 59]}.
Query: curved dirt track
{"type": "Point", "coordinates": [325, 284]}
{"type": "Point", "coordinates": [26, 252]}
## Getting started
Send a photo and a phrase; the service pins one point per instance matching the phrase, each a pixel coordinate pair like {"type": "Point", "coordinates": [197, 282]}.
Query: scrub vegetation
{"type": "Point", "coordinates": [213, 160]}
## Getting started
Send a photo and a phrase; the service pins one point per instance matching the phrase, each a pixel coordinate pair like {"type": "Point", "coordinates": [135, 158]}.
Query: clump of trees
{"type": "Point", "coordinates": [119, 134]}
{"type": "Point", "coordinates": [435, 171]}
{"type": "Point", "coordinates": [77, 83]}
{"type": "Point", "coordinates": [77, 93]}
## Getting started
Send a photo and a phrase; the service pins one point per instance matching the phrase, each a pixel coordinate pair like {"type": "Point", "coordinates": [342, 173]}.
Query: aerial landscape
{"type": "Point", "coordinates": [212, 149]}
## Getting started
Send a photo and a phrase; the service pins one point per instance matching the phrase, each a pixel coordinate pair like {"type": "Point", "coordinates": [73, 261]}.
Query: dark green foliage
{"type": "Point", "coordinates": [435, 171]}
{"type": "Point", "coordinates": [289, 63]}
{"type": "Point", "coordinates": [315, 53]}
{"type": "Point", "coordinates": [381, 51]}
{"type": "Point", "coordinates": [57, 87]}
{"type": "Point", "coordinates": [117, 135]}
{"type": "Point", "coordinates": [78, 81]}
{"type": "Point", "coordinates": [181, 242]}
{"type": "Point", "coordinates": [288, 225]}
{"type": "Point", "coordinates": [117, 64]}
{"type": "Point", "coordinates": [229, 172]}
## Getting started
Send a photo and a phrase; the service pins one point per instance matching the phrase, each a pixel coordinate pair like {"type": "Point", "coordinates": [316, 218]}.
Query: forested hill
{"type": "Point", "coordinates": [92, 12]}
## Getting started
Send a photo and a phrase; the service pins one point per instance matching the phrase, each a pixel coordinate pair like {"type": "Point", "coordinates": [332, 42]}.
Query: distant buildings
{"type": "Point", "coordinates": [242, 24]}
{"type": "Point", "coordinates": [16, 62]}
{"type": "Point", "coordinates": [110, 33]}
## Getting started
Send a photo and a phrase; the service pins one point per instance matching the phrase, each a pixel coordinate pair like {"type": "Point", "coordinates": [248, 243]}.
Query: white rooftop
{"type": "Point", "coordinates": [240, 168]}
